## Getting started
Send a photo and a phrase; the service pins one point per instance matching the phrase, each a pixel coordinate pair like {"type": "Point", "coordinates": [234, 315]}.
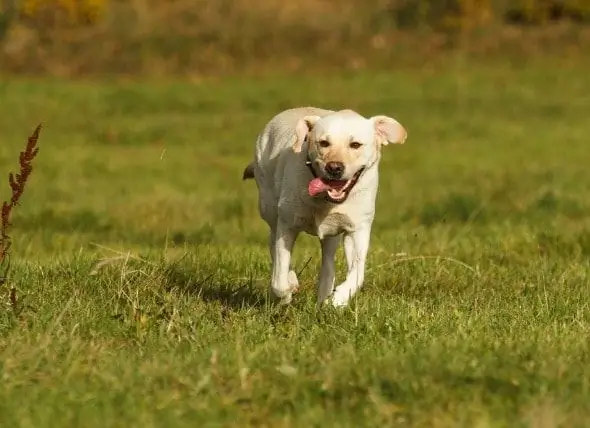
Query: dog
{"type": "Point", "coordinates": [317, 172]}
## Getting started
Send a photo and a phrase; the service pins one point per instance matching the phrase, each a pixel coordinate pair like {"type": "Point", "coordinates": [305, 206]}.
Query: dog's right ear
{"type": "Point", "coordinates": [302, 128]}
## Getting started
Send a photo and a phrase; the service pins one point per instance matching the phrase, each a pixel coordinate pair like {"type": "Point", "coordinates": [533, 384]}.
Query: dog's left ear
{"type": "Point", "coordinates": [388, 130]}
{"type": "Point", "coordinates": [302, 128]}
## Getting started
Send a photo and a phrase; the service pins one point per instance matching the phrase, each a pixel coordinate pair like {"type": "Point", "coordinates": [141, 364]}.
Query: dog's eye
{"type": "Point", "coordinates": [324, 143]}
{"type": "Point", "coordinates": [355, 145]}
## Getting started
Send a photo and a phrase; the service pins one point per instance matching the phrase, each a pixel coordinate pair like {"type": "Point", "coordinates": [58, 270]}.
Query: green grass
{"type": "Point", "coordinates": [483, 322]}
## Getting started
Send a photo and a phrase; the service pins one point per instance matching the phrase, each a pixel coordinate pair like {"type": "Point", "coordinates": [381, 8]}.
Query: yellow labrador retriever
{"type": "Point", "coordinates": [317, 171]}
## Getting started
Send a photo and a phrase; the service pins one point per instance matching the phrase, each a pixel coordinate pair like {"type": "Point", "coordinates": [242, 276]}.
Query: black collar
{"type": "Point", "coordinates": [308, 162]}
{"type": "Point", "coordinates": [309, 165]}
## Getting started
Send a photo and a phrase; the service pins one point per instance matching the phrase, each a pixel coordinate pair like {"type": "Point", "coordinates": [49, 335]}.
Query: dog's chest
{"type": "Point", "coordinates": [323, 223]}
{"type": "Point", "coordinates": [333, 224]}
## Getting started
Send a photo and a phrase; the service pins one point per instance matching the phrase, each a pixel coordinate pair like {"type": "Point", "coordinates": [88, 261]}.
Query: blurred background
{"type": "Point", "coordinates": [200, 37]}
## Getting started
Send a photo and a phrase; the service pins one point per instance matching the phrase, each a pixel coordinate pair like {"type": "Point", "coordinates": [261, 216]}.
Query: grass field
{"type": "Point", "coordinates": [475, 310]}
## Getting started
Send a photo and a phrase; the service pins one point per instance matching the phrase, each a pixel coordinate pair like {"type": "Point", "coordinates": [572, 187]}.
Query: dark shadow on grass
{"type": "Point", "coordinates": [208, 288]}
{"type": "Point", "coordinates": [454, 208]}
{"type": "Point", "coordinates": [459, 384]}
{"type": "Point", "coordinates": [491, 384]}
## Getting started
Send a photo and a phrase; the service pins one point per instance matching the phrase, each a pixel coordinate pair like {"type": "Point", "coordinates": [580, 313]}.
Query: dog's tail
{"type": "Point", "coordinates": [248, 171]}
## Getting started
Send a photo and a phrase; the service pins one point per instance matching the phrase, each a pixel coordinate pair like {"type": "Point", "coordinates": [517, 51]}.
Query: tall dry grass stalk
{"type": "Point", "coordinates": [17, 186]}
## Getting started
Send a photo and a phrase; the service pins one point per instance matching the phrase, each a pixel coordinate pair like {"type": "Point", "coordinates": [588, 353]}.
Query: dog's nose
{"type": "Point", "coordinates": [335, 169]}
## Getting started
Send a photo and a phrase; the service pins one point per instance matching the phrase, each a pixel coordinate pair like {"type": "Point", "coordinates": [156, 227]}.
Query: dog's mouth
{"type": "Point", "coordinates": [336, 190]}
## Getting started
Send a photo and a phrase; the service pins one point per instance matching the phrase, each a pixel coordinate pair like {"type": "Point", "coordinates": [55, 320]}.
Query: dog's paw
{"type": "Point", "coordinates": [284, 299]}
{"type": "Point", "coordinates": [340, 298]}
{"type": "Point", "coordinates": [280, 296]}
{"type": "Point", "coordinates": [293, 281]}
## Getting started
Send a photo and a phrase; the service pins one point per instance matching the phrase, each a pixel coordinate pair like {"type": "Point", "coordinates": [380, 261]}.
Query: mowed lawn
{"type": "Point", "coordinates": [141, 264]}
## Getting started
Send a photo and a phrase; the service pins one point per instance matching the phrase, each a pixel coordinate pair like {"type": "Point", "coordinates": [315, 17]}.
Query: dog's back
{"type": "Point", "coordinates": [278, 134]}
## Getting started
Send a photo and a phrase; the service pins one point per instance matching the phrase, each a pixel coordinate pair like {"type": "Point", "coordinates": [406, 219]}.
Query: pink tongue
{"type": "Point", "coordinates": [316, 186]}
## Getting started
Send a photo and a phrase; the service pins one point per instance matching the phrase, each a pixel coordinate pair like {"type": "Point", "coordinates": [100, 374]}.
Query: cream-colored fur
{"type": "Point", "coordinates": [282, 177]}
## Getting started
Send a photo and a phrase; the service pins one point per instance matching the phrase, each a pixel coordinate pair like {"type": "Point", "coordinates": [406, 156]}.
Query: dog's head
{"type": "Point", "coordinates": [341, 146]}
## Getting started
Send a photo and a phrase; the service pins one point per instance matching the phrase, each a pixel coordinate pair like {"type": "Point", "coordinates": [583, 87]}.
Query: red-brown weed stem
{"type": "Point", "coordinates": [17, 186]}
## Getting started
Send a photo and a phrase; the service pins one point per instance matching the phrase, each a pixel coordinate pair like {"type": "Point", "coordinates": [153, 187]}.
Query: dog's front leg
{"type": "Point", "coordinates": [328, 269]}
{"type": "Point", "coordinates": [284, 238]}
{"type": "Point", "coordinates": [356, 247]}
